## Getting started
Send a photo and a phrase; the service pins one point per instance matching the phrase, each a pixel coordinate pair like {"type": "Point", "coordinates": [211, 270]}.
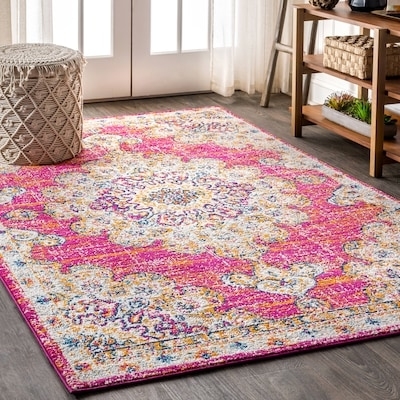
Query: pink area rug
{"type": "Point", "coordinates": [185, 240]}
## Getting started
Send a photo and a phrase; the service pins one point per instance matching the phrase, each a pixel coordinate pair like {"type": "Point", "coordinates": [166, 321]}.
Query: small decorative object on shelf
{"type": "Point", "coordinates": [355, 114]}
{"type": "Point", "coordinates": [367, 5]}
{"type": "Point", "coordinates": [325, 4]}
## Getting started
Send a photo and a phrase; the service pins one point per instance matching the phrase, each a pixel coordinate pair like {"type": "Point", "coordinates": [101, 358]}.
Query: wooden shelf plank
{"type": "Point", "coordinates": [314, 62]}
{"type": "Point", "coordinates": [343, 13]}
{"type": "Point", "coordinates": [314, 114]}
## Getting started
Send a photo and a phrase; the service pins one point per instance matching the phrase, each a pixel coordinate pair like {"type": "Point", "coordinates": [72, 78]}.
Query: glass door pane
{"type": "Point", "coordinates": [74, 26]}
{"type": "Point", "coordinates": [195, 28]}
{"type": "Point", "coordinates": [164, 26]}
{"type": "Point", "coordinates": [66, 27]}
{"type": "Point", "coordinates": [98, 31]}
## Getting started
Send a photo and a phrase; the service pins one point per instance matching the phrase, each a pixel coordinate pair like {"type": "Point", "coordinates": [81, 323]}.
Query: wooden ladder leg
{"type": "Point", "coordinates": [311, 49]}
{"type": "Point", "coordinates": [277, 46]}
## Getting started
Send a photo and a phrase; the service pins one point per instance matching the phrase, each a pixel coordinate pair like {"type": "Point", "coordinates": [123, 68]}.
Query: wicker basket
{"type": "Point", "coordinates": [353, 55]}
{"type": "Point", "coordinates": [40, 104]}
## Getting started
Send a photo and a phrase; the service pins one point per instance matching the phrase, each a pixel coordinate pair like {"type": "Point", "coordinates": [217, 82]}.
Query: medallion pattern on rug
{"type": "Point", "coordinates": [184, 240]}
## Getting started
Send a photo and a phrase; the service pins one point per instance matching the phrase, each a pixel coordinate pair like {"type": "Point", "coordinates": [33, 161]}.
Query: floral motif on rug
{"type": "Point", "coordinates": [185, 240]}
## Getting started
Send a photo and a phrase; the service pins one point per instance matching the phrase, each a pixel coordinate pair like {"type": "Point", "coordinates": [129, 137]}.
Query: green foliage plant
{"type": "Point", "coordinates": [360, 109]}
{"type": "Point", "coordinates": [340, 101]}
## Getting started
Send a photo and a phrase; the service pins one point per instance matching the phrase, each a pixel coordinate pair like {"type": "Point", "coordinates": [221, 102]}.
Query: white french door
{"type": "Point", "coordinates": [171, 40]}
{"type": "Point", "coordinates": [137, 48]}
{"type": "Point", "coordinates": [108, 54]}
{"type": "Point", "coordinates": [101, 29]}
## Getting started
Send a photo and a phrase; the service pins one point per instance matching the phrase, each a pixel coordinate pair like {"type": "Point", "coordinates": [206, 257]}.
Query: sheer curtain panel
{"type": "Point", "coordinates": [242, 36]}
{"type": "Point", "coordinates": [5, 22]}
{"type": "Point", "coordinates": [26, 21]}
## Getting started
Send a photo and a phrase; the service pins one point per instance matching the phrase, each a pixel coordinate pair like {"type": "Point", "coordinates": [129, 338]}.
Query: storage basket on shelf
{"type": "Point", "coordinates": [353, 55]}
{"type": "Point", "coordinates": [40, 104]}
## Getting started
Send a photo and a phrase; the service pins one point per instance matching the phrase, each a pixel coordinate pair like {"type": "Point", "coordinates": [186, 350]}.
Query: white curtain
{"type": "Point", "coordinates": [5, 22]}
{"type": "Point", "coordinates": [38, 27]}
{"type": "Point", "coordinates": [15, 27]}
{"type": "Point", "coordinates": [243, 34]}
{"type": "Point", "coordinates": [242, 37]}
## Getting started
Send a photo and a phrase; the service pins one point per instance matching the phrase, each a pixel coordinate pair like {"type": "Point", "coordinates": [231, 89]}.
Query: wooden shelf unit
{"type": "Point", "coordinates": [384, 91]}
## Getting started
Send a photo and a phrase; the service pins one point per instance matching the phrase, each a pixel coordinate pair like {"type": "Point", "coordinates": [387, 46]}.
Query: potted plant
{"type": "Point", "coordinates": [355, 114]}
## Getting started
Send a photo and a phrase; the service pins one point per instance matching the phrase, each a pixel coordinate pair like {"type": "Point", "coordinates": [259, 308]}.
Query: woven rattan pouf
{"type": "Point", "coordinates": [40, 104]}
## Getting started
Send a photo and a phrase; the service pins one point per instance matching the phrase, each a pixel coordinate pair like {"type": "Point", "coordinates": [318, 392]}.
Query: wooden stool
{"type": "Point", "coordinates": [40, 104]}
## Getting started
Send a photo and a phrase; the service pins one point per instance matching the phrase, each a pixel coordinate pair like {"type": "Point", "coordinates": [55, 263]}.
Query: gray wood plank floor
{"type": "Point", "coordinates": [362, 371]}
